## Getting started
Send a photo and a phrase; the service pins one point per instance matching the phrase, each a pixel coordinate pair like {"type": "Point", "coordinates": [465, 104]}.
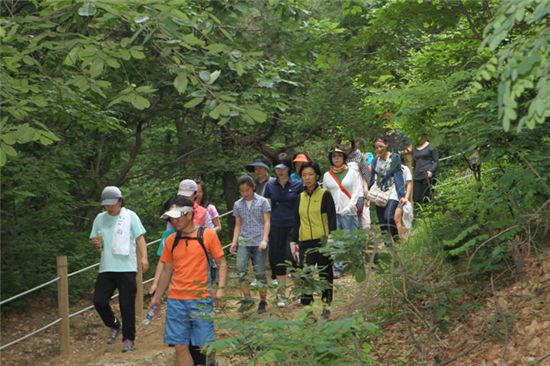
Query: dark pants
{"type": "Point", "coordinates": [279, 250]}
{"type": "Point", "coordinates": [311, 256]}
{"type": "Point", "coordinates": [422, 191]}
{"type": "Point", "coordinates": [385, 217]}
{"type": "Point", "coordinates": [105, 286]}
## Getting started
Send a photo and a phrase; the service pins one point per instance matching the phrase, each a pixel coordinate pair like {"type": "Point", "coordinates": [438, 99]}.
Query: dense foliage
{"type": "Point", "coordinates": [143, 94]}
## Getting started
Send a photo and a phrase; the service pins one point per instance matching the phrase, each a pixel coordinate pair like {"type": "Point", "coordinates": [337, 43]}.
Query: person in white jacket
{"type": "Point", "coordinates": [345, 186]}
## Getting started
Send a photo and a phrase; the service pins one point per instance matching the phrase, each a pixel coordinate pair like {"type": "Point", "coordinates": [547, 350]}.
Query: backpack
{"type": "Point", "coordinates": [212, 266]}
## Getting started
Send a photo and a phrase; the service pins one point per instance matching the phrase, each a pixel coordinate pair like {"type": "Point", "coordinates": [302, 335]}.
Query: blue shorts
{"type": "Point", "coordinates": [189, 321]}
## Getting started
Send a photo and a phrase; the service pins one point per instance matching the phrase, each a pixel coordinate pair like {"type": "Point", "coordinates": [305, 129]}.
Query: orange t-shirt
{"type": "Point", "coordinates": [190, 276]}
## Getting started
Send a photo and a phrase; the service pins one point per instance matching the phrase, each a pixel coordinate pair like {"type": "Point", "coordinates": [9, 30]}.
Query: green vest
{"type": "Point", "coordinates": [313, 223]}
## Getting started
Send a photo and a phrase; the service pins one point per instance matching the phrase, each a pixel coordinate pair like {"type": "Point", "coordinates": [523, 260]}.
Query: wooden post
{"type": "Point", "coordinates": [139, 284]}
{"type": "Point", "coordinates": [63, 304]}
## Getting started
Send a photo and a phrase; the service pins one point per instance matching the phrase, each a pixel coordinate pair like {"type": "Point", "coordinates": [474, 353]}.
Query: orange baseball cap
{"type": "Point", "coordinates": [300, 158]}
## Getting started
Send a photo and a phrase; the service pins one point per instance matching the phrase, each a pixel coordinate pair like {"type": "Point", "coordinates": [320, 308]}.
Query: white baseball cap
{"type": "Point", "coordinates": [176, 211]}
{"type": "Point", "coordinates": [187, 188]}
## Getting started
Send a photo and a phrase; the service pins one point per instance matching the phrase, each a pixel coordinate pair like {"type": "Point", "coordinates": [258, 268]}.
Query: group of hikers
{"type": "Point", "coordinates": [283, 220]}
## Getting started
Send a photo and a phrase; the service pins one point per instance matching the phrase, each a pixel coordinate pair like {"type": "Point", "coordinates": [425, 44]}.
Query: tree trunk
{"type": "Point", "coordinates": [180, 133]}
{"type": "Point", "coordinates": [230, 188]}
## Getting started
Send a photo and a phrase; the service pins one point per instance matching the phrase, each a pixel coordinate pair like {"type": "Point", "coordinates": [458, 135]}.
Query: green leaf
{"type": "Point", "coordinates": [180, 82]}
{"type": "Point", "coordinates": [214, 76]}
{"type": "Point", "coordinates": [217, 48]}
{"type": "Point", "coordinates": [124, 54]}
{"type": "Point", "coordinates": [256, 114]}
{"type": "Point", "coordinates": [10, 151]}
{"type": "Point", "coordinates": [139, 102]}
{"type": "Point", "coordinates": [9, 138]}
{"type": "Point", "coordinates": [72, 56]}
{"type": "Point", "coordinates": [526, 65]}
{"type": "Point", "coordinates": [87, 10]}
{"type": "Point", "coordinates": [239, 67]}
{"type": "Point", "coordinates": [193, 103]}
{"type": "Point", "coordinates": [112, 62]}
{"type": "Point", "coordinates": [137, 53]}
{"type": "Point", "coordinates": [205, 76]}
{"type": "Point", "coordinates": [221, 109]}
{"type": "Point", "coordinates": [3, 158]}
{"type": "Point", "coordinates": [192, 40]}
{"type": "Point", "coordinates": [97, 67]}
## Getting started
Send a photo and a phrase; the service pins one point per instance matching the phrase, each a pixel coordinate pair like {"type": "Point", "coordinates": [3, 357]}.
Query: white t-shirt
{"type": "Point", "coordinates": [407, 176]}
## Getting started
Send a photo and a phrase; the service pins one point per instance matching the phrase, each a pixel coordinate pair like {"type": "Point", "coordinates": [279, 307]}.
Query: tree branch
{"type": "Point", "coordinates": [151, 113]}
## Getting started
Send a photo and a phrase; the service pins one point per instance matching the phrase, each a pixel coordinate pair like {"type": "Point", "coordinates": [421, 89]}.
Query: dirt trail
{"type": "Point", "coordinates": [88, 347]}
{"type": "Point", "coordinates": [522, 339]}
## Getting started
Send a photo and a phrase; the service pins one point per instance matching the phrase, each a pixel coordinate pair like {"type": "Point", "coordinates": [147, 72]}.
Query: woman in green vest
{"type": "Point", "coordinates": [315, 219]}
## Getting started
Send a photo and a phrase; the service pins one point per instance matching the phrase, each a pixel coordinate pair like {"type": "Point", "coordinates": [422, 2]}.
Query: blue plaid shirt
{"type": "Point", "coordinates": [252, 219]}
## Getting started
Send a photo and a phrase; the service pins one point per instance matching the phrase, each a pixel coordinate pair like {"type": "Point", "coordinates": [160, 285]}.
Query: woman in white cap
{"type": "Point", "coordinates": [118, 234]}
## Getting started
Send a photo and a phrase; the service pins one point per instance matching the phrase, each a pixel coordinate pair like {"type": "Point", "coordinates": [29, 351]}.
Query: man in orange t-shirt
{"type": "Point", "coordinates": [190, 305]}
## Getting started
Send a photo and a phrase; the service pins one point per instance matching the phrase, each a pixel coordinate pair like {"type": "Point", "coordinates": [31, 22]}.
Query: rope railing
{"type": "Point", "coordinates": [30, 334]}
{"type": "Point", "coordinates": [461, 178]}
{"type": "Point", "coordinates": [29, 291]}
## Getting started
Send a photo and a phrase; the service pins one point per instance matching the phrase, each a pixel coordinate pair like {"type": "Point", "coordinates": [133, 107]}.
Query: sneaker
{"type": "Point", "coordinates": [127, 346]}
{"type": "Point", "coordinates": [325, 314]}
{"type": "Point", "coordinates": [274, 283]}
{"type": "Point", "coordinates": [246, 304]}
{"type": "Point", "coordinates": [254, 283]}
{"type": "Point", "coordinates": [261, 307]}
{"type": "Point", "coordinates": [281, 302]}
{"type": "Point", "coordinates": [113, 334]}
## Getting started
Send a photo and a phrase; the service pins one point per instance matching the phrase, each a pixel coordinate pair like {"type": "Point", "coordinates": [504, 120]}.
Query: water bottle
{"type": "Point", "coordinates": [150, 315]}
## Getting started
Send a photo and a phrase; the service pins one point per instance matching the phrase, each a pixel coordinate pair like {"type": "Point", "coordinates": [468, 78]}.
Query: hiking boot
{"type": "Point", "coordinates": [325, 314]}
{"type": "Point", "coordinates": [113, 334]}
{"type": "Point", "coordinates": [246, 304]}
{"type": "Point", "coordinates": [261, 307]}
{"type": "Point", "coordinates": [127, 346]}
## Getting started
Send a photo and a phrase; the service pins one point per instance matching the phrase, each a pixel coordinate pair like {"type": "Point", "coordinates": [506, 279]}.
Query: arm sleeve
{"type": "Point", "coordinates": [95, 227]}
{"type": "Point", "coordinates": [166, 255]}
{"type": "Point", "coordinates": [357, 188]}
{"type": "Point", "coordinates": [208, 221]}
{"type": "Point", "coordinates": [327, 206]}
{"type": "Point", "coordinates": [267, 191]}
{"type": "Point", "coordinates": [296, 227]}
{"type": "Point", "coordinates": [136, 226]}
{"type": "Point", "coordinates": [435, 160]}
{"type": "Point", "coordinates": [213, 211]}
{"type": "Point", "coordinates": [265, 206]}
{"type": "Point", "coordinates": [373, 172]}
{"type": "Point", "coordinates": [163, 239]}
{"type": "Point", "coordinates": [398, 176]}
{"type": "Point", "coordinates": [213, 244]}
